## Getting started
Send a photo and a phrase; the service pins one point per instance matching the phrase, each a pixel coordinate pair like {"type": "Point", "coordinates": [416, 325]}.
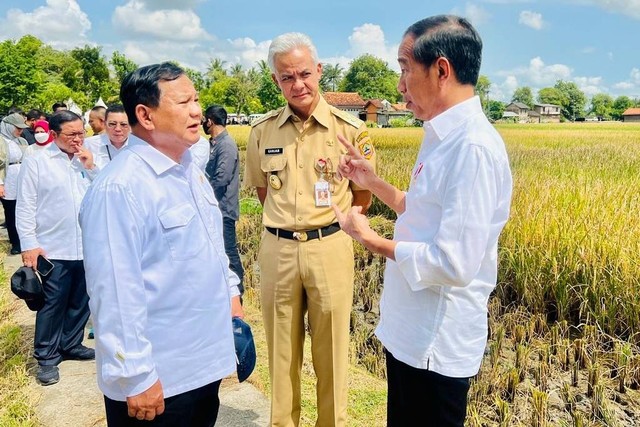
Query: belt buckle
{"type": "Point", "coordinates": [300, 236]}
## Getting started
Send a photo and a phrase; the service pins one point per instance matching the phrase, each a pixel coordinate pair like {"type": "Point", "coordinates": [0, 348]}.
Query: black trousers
{"type": "Point", "coordinates": [231, 249]}
{"type": "Point", "coordinates": [418, 397]}
{"type": "Point", "coordinates": [60, 323]}
{"type": "Point", "coordinates": [10, 219]}
{"type": "Point", "coordinates": [195, 408]}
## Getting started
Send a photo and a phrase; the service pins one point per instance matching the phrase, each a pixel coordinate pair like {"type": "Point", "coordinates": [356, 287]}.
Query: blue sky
{"type": "Point", "coordinates": [594, 43]}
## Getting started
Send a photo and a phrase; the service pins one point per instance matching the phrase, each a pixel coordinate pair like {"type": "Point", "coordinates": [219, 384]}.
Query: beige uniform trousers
{"type": "Point", "coordinates": [315, 277]}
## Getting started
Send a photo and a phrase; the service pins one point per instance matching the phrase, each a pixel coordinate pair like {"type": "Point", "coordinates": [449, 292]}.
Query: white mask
{"type": "Point", "coordinates": [41, 137]}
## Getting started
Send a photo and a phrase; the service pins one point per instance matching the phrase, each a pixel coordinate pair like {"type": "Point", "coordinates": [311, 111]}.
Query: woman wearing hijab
{"type": "Point", "coordinates": [42, 136]}
{"type": "Point", "coordinates": [10, 129]}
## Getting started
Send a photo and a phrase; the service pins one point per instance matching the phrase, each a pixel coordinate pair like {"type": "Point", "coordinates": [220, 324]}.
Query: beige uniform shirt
{"type": "Point", "coordinates": [289, 156]}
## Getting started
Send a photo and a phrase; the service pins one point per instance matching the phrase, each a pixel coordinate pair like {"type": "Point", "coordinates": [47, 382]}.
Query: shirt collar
{"type": "Point", "coordinates": [444, 123]}
{"type": "Point", "coordinates": [159, 162]}
{"type": "Point", "coordinates": [321, 113]}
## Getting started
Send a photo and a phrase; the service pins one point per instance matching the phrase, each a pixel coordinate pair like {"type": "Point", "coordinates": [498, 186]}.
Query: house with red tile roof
{"type": "Point", "coordinates": [631, 115]}
{"type": "Point", "coordinates": [350, 102]}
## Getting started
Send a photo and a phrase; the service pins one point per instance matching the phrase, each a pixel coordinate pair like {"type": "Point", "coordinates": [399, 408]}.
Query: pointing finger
{"type": "Point", "coordinates": [351, 150]}
{"type": "Point", "coordinates": [339, 215]}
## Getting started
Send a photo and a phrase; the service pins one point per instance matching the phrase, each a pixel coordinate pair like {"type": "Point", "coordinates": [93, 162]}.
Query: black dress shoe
{"type": "Point", "coordinates": [48, 375]}
{"type": "Point", "coordinates": [15, 251]}
{"type": "Point", "coordinates": [79, 352]}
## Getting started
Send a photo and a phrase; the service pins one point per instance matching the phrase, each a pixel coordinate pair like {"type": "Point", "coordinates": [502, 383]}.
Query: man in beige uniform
{"type": "Point", "coordinates": [306, 261]}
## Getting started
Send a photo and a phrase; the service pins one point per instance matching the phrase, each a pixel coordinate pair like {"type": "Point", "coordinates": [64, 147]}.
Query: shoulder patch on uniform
{"type": "Point", "coordinates": [271, 114]}
{"type": "Point", "coordinates": [347, 117]}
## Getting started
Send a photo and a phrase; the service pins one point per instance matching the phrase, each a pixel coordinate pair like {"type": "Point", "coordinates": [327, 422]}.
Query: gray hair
{"type": "Point", "coordinates": [287, 42]}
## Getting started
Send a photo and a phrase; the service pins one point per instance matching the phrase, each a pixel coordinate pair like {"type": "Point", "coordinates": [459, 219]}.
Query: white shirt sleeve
{"type": "Point", "coordinates": [454, 256]}
{"type": "Point", "coordinates": [114, 273]}
{"type": "Point", "coordinates": [26, 204]}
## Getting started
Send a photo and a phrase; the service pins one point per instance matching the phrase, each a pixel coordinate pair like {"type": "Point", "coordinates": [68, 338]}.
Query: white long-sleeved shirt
{"type": "Point", "coordinates": [50, 190]}
{"type": "Point", "coordinates": [102, 149]}
{"type": "Point", "coordinates": [157, 275]}
{"type": "Point", "coordinates": [433, 310]}
{"type": "Point", "coordinates": [200, 152]}
{"type": "Point", "coordinates": [14, 157]}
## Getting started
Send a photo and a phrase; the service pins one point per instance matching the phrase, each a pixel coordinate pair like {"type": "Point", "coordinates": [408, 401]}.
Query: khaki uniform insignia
{"type": "Point", "coordinates": [366, 149]}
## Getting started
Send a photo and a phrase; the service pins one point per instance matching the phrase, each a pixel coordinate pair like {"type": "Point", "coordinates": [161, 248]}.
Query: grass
{"type": "Point", "coordinates": [16, 406]}
{"type": "Point", "coordinates": [569, 278]}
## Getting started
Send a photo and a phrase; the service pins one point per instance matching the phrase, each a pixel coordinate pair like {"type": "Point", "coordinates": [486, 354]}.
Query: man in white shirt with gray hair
{"type": "Point", "coordinates": [162, 294]}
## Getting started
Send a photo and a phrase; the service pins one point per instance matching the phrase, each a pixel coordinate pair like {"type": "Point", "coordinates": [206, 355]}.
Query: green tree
{"type": "Point", "coordinates": [482, 90]}
{"type": "Point", "coordinates": [196, 77]}
{"type": "Point", "coordinates": [122, 65]}
{"type": "Point", "coordinates": [551, 95]}
{"type": "Point", "coordinates": [601, 105]}
{"type": "Point", "coordinates": [524, 95]}
{"type": "Point", "coordinates": [331, 76]}
{"type": "Point", "coordinates": [495, 109]}
{"type": "Point", "coordinates": [575, 99]}
{"type": "Point", "coordinates": [268, 92]}
{"type": "Point", "coordinates": [619, 106]}
{"type": "Point", "coordinates": [372, 78]}
{"type": "Point", "coordinates": [94, 76]}
{"type": "Point", "coordinates": [20, 78]}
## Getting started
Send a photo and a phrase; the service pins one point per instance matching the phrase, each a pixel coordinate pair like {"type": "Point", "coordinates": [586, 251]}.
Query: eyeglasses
{"type": "Point", "coordinates": [113, 125]}
{"type": "Point", "coordinates": [73, 135]}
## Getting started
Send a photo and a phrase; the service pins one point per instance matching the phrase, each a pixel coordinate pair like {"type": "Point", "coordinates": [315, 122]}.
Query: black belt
{"type": "Point", "coordinates": [14, 163]}
{"type": "Point", "coordinates": [303, 236]}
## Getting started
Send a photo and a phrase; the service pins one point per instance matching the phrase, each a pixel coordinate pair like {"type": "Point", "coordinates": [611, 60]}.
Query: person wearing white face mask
{"type": "Point", "coordinates": [43, 138]}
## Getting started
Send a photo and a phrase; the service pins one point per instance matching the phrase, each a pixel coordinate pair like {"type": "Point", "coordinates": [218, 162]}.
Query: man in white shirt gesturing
{"type": "Point", "coordinates": [162, 294]}
{"type": "Point", "coordinates": [442, 261]}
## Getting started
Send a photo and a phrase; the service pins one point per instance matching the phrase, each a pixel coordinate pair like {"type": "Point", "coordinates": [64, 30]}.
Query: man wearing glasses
{"type": "Point", "coordinates": [51, 186]}
{"type": "Point", "coordinates": [107, 145]}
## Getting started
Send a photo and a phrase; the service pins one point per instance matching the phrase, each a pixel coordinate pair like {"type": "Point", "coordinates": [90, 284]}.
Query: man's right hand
{"type": "Point", "coordinates": [148, 404]}
{"type": "Point", "coordinates": [355, 167]}
{"type": "Point", "coordinates": [30, 257]}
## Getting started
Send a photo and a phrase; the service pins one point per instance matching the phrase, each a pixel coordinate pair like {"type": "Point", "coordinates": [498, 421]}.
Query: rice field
{"type": "Point", "coordinates": [565, 315]}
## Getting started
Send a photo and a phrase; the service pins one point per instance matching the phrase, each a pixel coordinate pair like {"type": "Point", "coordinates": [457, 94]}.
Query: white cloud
{"type": "Point", "coordinates": [624, 7]}
{"type": "Point", "coordinates": [590, 85]}
{"type": "Point", "coordinates": [631, 85]}
{"type": "Point", "coordinates": [475, 14]}
{"type": "Point", "coordinates": [635, 75]}
{"type": "Point", "coordinates": [539, 75]}
{"type": "Point", "coordinates": [369, 38]}
{"type": "Point", "coordinates": [162, 24]}
{"type": "Point", "coordinates": [531, 19]}
{"type": "Point", "coordinates": [170, 4]}
{"type": "Point", "coordinates": [50, 23]}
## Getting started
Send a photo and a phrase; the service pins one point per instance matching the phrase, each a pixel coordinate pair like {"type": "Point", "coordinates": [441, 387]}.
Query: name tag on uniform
{"type": "Point", "coordinates": [272, 151]}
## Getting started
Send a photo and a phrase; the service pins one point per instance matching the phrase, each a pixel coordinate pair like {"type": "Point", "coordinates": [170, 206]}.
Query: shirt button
{"type": "Point", "coordinates": [302, 138]}
{"type": "Point", "coordinates": [299, 218]}
{"type": "Point", "coordinates": [300, 193]}
{"type": "Point", "coordinates": [300, 165]}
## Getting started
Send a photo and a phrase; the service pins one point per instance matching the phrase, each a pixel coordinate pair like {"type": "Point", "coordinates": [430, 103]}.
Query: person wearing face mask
{"type": "Point", "coordinates": [11, 129]}
{"type": "Point", "coordinates": [42, 136]}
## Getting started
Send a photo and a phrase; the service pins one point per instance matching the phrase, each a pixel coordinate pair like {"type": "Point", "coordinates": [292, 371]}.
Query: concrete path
{"type": "Point", "coordinates": [75, 401]}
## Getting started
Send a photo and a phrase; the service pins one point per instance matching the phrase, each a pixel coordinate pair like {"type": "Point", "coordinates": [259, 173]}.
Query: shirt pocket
{"type": "Point", "coordinates": [181, 232]}
{"type": "Point", "coordinates": [275, 168]}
